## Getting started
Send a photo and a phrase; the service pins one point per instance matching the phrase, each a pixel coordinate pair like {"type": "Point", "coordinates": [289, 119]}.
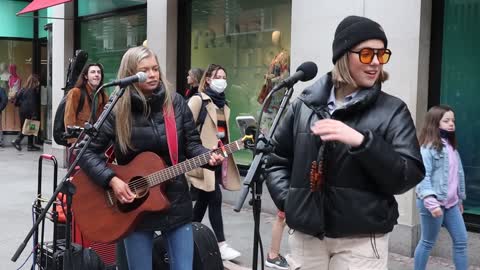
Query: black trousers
{"type": "Point", "coordinates": [213, 201]}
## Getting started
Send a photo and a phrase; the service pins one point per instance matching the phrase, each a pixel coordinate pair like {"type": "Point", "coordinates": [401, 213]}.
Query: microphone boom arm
{"type": "Point", "coordinates": [253, 171]}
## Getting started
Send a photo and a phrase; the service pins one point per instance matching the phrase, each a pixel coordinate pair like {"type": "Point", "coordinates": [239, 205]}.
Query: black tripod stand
{"type": "Point", "coordinates": [68, 188]}
{"type": "Point", "coordinates": [255, 176]}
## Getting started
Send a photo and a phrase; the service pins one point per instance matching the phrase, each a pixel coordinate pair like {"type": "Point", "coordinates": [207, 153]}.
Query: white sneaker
{"type": "Point", "coordinates": [228, 253]}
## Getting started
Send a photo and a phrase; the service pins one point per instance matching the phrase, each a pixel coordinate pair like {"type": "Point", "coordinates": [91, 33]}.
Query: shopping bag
{"type": "Point", "coordinates": [31, 127]}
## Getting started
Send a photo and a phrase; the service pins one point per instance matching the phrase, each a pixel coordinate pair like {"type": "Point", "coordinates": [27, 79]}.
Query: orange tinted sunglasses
{"type": "Point", "coordinates": [366, 55]}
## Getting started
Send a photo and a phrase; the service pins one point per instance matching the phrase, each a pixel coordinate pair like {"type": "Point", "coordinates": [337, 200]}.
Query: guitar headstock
{"type": "Point", "coordinates": [248, 141]}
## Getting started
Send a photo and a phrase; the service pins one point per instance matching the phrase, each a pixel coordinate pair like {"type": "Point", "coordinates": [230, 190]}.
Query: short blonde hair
{"type": "Point", "coordinates": [341, 74]}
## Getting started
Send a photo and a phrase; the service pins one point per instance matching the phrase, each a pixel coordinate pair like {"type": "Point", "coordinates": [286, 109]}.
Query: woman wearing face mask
{"type": "Point", "coordinates": [441, 192]}
{"type": "Point", "coordinates": [214, 127]}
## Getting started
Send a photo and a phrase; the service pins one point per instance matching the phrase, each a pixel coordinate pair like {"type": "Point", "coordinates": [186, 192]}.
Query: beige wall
{"type": "Point", "coordinates": [62, 50]}
{"type": "Point", "coordinates": [162, 35]}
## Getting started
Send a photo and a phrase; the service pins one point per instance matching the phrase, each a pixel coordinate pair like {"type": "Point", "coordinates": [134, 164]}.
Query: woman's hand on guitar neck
{"type": "Point", "coordinates": [121, 190]}
{"type": "Point", "coordinates": [215, 159]}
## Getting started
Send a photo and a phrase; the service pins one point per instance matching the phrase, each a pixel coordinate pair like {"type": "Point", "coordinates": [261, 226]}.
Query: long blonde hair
{"type": "Point", "coordinates": [341, 76]}
{"type": "Point", "coordinates": [123, 110]}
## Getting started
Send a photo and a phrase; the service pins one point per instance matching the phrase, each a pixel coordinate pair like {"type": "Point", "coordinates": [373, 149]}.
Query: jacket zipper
{"type": "Point", "coordinates": [155, 132]}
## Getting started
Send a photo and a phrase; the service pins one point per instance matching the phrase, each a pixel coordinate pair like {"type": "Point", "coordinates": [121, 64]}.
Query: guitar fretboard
{"type": "Point", "coordinates": [189, 164]}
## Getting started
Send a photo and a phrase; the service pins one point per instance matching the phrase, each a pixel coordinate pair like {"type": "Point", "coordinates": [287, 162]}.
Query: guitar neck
{"type": "Point", "coordinates": [190, 164]}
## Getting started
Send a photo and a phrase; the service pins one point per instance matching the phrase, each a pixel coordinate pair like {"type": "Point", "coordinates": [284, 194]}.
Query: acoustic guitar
{"type": "Point", "coordinates": [102, 218]}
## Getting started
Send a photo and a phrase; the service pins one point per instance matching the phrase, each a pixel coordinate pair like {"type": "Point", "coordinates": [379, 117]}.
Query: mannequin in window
{"type": "Point", "coordinates": [11, 116]}
{"type": "Point", "coordinates": [278, 70]}
{"type": "Point", "coordinates": [14, 81]}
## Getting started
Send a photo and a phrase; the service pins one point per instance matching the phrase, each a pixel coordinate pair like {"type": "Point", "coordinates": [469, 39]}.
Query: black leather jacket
{"type": "Point", "coordinates": [148, 134]}
{"type": "Point", "coordinates": [360, 183]}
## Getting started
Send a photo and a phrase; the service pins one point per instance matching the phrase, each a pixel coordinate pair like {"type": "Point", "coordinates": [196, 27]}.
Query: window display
{"type": "Point", "coordinates": [251, 39]}
{"type": "Point", "coordinates": [15, 64]}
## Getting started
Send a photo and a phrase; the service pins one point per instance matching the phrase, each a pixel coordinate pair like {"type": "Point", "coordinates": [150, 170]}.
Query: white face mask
{"type": "Point", "coordinates": [218, 85]}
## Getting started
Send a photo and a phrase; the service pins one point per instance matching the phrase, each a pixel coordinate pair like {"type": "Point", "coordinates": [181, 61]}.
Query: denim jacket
{"type": "Point", "coordinates": [436, 174]}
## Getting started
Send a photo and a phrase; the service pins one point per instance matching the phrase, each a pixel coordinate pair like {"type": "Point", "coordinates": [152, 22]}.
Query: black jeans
{"type": "Point", "coordinates": [213, 201]}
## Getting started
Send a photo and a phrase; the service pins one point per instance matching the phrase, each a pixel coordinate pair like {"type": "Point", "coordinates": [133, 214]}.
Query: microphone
{"type": "Point", "coordinates": [305, 72]}
{"type": "Point", "coordinates": [139, 77]}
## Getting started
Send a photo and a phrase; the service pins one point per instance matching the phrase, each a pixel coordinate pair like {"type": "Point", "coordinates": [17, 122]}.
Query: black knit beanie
{"type": "Point", "coordinates": [353, 30]}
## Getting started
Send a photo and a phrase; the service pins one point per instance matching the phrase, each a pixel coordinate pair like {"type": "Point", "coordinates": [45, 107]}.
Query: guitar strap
{"type": "Point", "coordinates": [171, 130]}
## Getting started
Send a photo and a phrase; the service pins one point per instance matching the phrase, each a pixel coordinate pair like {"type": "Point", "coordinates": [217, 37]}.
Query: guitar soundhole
{"type": "Point", "coordinates": [140, 187]}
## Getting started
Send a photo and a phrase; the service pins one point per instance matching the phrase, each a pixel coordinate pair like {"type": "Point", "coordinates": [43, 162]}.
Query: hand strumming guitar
{"type": "Point", "coordinates": [121, 190]}
{"type": "Point", "coordinates": [125, 195]}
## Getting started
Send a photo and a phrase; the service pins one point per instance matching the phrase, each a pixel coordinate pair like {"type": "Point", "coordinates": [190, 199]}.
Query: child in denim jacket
{"type": "Point", "coordinates": [441, 192]}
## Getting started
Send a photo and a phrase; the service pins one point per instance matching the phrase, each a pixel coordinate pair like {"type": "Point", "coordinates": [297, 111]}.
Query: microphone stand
{"type": "Point", "coordinates": [255, 176]}
{"type": "Point", "coordinates": [67, 187]}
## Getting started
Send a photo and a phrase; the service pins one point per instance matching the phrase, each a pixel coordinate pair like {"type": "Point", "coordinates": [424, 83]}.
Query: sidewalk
{"type": "Point", "coordinates": [18, 181]}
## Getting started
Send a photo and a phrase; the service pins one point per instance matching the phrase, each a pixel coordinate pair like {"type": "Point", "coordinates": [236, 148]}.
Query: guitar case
{"type": "Point", "coordinates": [206, 252]}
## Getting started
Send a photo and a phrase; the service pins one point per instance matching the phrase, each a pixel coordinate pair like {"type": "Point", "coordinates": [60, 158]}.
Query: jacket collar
{"type": "Point", "coordinates": [155, 101]}
{"type": "Point", "coordinates": [316, 96]}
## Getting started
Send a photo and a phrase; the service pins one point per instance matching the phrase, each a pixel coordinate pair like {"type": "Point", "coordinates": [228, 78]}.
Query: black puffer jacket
{"type": "Point", "coordinates": [148, 134]}
{"type": "Point", "coordinates": [360, 183]}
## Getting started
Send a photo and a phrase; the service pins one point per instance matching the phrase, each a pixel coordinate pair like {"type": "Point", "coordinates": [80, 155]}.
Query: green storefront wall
{"type": "Point", "coordinates": [14, 26]}
{"type": "Point", "coordinates": [460, 84]}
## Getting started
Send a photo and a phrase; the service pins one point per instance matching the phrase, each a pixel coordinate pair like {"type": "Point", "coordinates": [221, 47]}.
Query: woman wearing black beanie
{"type": "Point", "coordinates": [344, 148]}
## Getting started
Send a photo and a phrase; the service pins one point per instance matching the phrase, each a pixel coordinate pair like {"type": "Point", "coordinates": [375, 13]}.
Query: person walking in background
{"type": "Point", "coordinates": [193, 80]}
{"type": "Point", "coordinates": [274, 258]}
{"type": "Point", "coordinates": [213, 127]}
{"type": "Point", "coordinates": [88, 82]}
{"type": "Point", "coordinates": [138, 124]}
{"type": "Point", "coordinates": [28, 101]}
{"type": "Point", "coordinates": [342, 151]}
{"type": "Point", "coordinates": [442, 191]}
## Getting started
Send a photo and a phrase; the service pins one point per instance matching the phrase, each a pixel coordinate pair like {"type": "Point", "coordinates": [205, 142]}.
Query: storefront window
{"type": "Point", "coordinates": [251, 39]}
{"type": "Point", "coordinates": [459, 88]}
{"type": "Point", "coordinates": [107, 39]}
{"type": "Point", "coordinates": [16, 66]}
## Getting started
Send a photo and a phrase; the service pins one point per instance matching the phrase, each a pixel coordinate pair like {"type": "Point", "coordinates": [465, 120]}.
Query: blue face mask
{"type": "Point", "coordinates": [445, 134]}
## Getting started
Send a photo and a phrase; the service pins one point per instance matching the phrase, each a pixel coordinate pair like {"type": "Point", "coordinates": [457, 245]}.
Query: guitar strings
{"type": "Point", "coordinates": [144, 182]}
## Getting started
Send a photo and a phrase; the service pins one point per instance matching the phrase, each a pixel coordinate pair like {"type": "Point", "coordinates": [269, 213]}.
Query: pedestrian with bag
{"type": "Point", "coordinates": [342, 151]}
{"type": "Point", "coordinates": [212, 114]}
{"type": "Point", "coordinates": [442, 191]}
{"type": "Point", "coordinates": [28, 101]}
{"type": "Point", "coordinates": [150, 116]}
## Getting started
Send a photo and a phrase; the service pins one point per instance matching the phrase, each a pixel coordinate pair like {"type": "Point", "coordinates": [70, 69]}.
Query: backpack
{"type": "Point", "coordinates": [59, 123]}
{"type": "Point", "coordinates": [202, 114]}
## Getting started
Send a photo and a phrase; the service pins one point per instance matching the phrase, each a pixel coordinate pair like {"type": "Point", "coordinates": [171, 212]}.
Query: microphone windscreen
{"type": "Point", "coordinates": [309, 70]}
{"type": "Point", "coordinates": [142, 76]}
